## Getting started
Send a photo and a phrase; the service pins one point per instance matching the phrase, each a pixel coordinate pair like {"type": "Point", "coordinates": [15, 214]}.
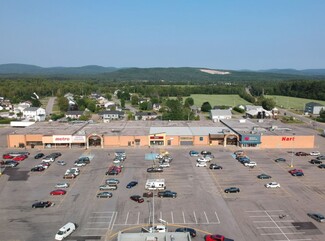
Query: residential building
{"type": "Point", "coordinates": [313, 108]}
{"type": "Point", "coordinates": [74, 114]}
{"type": "Point", "coordinates": [217, 115]}
{"type": "Point", "coordinates": [34, 113]}
{"type": "Point", "coordinates": [145, 115]}
{"type": "Point", "coordinates": [109, 115]}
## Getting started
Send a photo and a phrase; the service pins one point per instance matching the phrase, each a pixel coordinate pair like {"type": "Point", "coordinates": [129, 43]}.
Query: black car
{"type": "Point", "coordinates": [39, 155]}
{"type": "Point", "coordinates": [280, 160]}
{"type": "Point", "coordinates": [215, 166]}
{"type": "Point", "coordinates": [185, 230]}
{"type": "Point", "coordinates": [112, 172]}
{"type": "Point", "coordinates": [137, 198]}
{"type": "Point", "coordinates": [155, 169]}
{"type": "Point", "coordinates": [44, 204]}
{"type": "Point", "coordinates": [84, 159]}
{"type": "Point", "coordinates": [316, 161]}
{"type": "Point", "coordinates": [206, 153]}
{"type": "Point", "coordinates": [317, 216]}
{"type": "Point", "coordinates": [132, 184]}
{"type": "Point", "coordinates": [167, 193]}
{"type": "Point", "coordinates": [321, 166]}
{"type": "Point", "coordinates": [264, 176]}
{"type": "Point", "coordinates": [37, 169]}
{"type": "Point", "coordinates": [9, 163]}
{"type": "Point", "coordinates": [232, 190]}
{"type": "Point", "coordinates": [301, 153]}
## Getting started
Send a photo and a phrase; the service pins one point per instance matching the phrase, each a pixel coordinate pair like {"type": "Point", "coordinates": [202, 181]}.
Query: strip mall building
{"type": "Point", "coordinates": [237, 133]}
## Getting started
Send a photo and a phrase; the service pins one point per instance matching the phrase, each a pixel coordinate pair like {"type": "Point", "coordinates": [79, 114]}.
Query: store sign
{"type": "Point", "coordinates": [62, 139]}
{"type": "Point", "coordinates": [156, 137]}
{"type": "Point", "coordinates": [78, 139]}
{"type": "Point", "coordinates": [285, 138]}
{"type": "Point", "coordinates": [251, 138]}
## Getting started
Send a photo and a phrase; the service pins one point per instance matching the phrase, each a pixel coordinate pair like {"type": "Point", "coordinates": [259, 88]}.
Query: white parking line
{"type": "Point", "coordinates": [217, 217]}
{"type": "Point", "coordinates": [291, 226]}
{"type": "Point", "coordinates": [194, 217]}
{"type": "Point", "coordinates": [183, 216]}
{"type": "Point", "coordinates": [304, 239]}
{"type": "Point", "coordinates": [206, 217]}
{"type": "Point", "coordinates": [127, 217]}
{"type": "Point", "coordinates": [138, 218]}
{"type": "Point", "coordinates": [263, 211]}
{"type": "Point", "coordinates": [282, 233]}
{"type": "Point", "coordinates": [172, 215]}
{"type": "Point", "coordinates": [277, 226]}
{"type": "Point", "coordinates": [270, 221]}
{"type": "Point", "coordinates": [111, 224]}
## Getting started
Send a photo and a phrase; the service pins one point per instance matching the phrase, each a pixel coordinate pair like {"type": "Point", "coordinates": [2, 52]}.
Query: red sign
{"type": "Point", "coordinates": [287, 138]}
{"type": "Point", "coordinates": [156, 137]}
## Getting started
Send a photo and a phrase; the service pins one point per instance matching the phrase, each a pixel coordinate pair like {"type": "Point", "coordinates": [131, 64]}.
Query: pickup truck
{"type": "Point", "coordinates": [216, 237]}
{"type": "Point", "coordinates": [167, 193]}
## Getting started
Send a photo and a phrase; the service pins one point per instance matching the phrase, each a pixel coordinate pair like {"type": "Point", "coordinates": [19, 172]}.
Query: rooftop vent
{"type": "Point", "coordinates": [115, 130]}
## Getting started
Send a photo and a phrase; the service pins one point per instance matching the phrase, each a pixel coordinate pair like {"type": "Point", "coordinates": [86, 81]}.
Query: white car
{"type": "Point", "coordinates": [62, 185]}
{"type": "Point", "coordinates": [65, 231]}
{"type": "Point", "coordinates": [48, 159]}
{"type": "Point", "coordinates": [80, 164]}
{"type": "Point", "coordinates": [202, 159]}
{"type": "Point", "coordinates": [314, 153]}
{"type": "Point", "coordinates": [165, 164]}
{"type": "Point", "coordinates": [272, 185]}
{"type": "Point", "coordinates": [250, 164]}
{"type": "Point", "coordinates": [116, 161]}
{"type": "Point", "coordinates": [73, 170]}
{"type": "Point", "coordinates": [201, 164]}
{"type": "Point", "coordinates": [40, 165]}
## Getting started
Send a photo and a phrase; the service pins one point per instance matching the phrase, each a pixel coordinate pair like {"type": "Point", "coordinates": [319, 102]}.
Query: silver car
{"type": "Point", "coordinates": [107, 187]}
{"type": "Point", "coordinates": [317, 216]}
{"type": "Point", "coordinates": [62, 185]}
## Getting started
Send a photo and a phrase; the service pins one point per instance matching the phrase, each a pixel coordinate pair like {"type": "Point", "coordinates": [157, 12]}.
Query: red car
{"type": "Point", "coordinates": [7, 156]}
{"type": "Point", "coordinates": [19, 158]}
{"type": "Point", "coordinates": [137, 198]}
{"type": "Point", "coordinates": [295, 171]}
{"type": "Point", "coordinates": [216, 237]}
{"type": "Point", "coordinates": [58, 192]}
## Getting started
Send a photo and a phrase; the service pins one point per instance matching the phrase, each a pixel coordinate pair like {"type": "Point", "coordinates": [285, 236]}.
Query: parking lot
{"type": "Point", "coordinates": [201, 203]}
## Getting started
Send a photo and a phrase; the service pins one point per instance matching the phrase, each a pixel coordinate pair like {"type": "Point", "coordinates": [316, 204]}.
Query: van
{"type": "Point", "coordinates": [65, 231]}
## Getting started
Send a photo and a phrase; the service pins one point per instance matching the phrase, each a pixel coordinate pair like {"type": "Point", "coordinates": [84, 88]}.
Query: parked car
{"type": "Point", "coordinates": [107, 187]}
{"type": "Point", "coordinates": [264, 176]}
{"type": "Point", "coordinates": [104, 195]}
{"type": "Point", "coordinates": [167, 193]}
{"type": "Point", "coordinates": [206, 152]}
{"type": "Point", "coordinates": [69, 176]}
{"type": "Point", "coordinates": [42, 165]}
{"type": "Point", "coordinates": [58, 192]}
{"type": "Point", "coordinates": [19, 158]}
{"type": "Point", "coordinates": [65, 231]}
{"type": "Point", "coordinates": [280, 160]}
{"type": "Point", "coordinates": [215, 166]}
{"type": "Point", "coordinates": [9, 163]}
{"type": "Point", "coordinates": [137, 198]}
{"type": "Point", "coordinates": [155, 169]}
{"type": "Point", "coordinates": [131, 184]}
{"type": "Point", "coordinates": [314, 153]}
{"type": "Point", "coordinates": [147, 194]}
{"type": "Point", "coordinates": [37, 169]}
{"type": "Point", "coordinates": [187, 230]}
{"type": "Point", "coordinates": [112, 181]}
{"type": "Point", "coordinates": [164, 164]}
{"type": "Point", "coordinates": [112, 172]}
{"type": "Point", "coordinates": [272, 185]}
{"type": "Point", "coordinates": [61, 163]}
{"type": "Point", "coordinates": [315, 161]}
{"type": "Point", "coordinates": [48, 159]}
{"type": "Point", "coordinates": [85, 159]}
{"type": "Point", "coordinates": [202, 159]}
{"type": "Point", "coordinates": [80, 163]}
{"type": "Point", "coordinates": [297, 174]}
{"type": "Point", "coordinates": [208, 156]}
{"type": "Point", "coordinates": [317, 216]}
{"type": "Point", "coordinates": [7, 156]}
{"type": "Point", "coordinates": [62, 185]}
{"type": "Point", "coordinates": [216, 237]}
{"type": "Point", "coordinates": [301, 153]}
{"type": "Point", "coordinates": [201, 164]}
{"type": "Point", "coordinates": [42, 204]}
{"type": "Point", "coordinates": [250, 164]}
{"type": "Point", "coordinates": [39, 155]}
{"type": "Point", "coordinates": [320, 157]}
{"type": "Point", "coordinates": [194, 153]}
{"type": "Point", "coordinates": [321, 166]}
{"type": "Point", "coordinates": [232, 190]}
{"type": "Point", "coordinates": [295, 170]}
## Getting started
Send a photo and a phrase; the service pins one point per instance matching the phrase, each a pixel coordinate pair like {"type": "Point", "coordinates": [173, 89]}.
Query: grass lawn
{"type": "Point", "coordinates": [228, 100]}
{"type": "Point", "coordinates": [292, 102]}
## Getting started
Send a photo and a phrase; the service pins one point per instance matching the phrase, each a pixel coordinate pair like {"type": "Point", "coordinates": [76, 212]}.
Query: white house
{"type": "Point", "coordinates": [217, 115]}
{"type": "Point", "coordinates": [107, 116]}
{"type": "Point", "coordinates": [74, 114]}
{"type": "Point", "coordinates": [35, 113]}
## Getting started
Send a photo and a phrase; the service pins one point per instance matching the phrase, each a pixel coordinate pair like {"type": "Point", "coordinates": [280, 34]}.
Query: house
{"type": "Point", "coordinates": [34, 113]}
{"type": "Point", "coordinates": [109, 115]}
{"type": "Point", "coordinates": [313, 108]}
{"type": "Point", "coordinates": [74, 114]}
{"type": "Point", "coordinates": [145, 115]}
{"type": "Point", "coordinates": [156, 106]}
{"type": "Point", "coordinates": [217, 115]}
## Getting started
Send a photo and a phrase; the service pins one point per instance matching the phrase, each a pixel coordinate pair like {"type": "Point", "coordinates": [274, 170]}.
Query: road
{"type": "Point", "coordinates": [49, 106]}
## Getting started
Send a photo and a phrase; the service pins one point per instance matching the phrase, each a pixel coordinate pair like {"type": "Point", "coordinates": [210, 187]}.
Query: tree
{"type": "Point", "coordinates": [322, 114]}
{"type": "Point", "coordinates": [134, 100]}
{"type": "Point", "coordinates": [123, 103]}
{"type": "Point", "coordinates": [63, 103]}
{"type": "Point", "coordinates": [206, 107]}
{"type": "Point", "coordinates": [108, 96]}
{"type": "Point", "coordinates": [268, 103]}
{"type": "Point", "coordinates": [189, 101]}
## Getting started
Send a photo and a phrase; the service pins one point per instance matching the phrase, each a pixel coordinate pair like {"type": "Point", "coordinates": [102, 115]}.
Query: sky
{"type": "Point", "coordinates": [217, 34]}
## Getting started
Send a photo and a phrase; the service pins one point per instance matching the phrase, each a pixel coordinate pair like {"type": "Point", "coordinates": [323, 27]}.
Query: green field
{"type": "Point", "coordinates": [228, 100]}
{"type": "Point", "coordinates": [292, 102]}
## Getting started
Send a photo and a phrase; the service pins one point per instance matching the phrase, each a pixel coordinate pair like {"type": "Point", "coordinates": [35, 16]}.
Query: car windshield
{"type": "Point", "coordinates": [60, 233]}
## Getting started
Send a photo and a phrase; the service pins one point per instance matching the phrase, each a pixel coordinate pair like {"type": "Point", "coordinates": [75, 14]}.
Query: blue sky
{"type": "Point", "coordinates": [218, 34]}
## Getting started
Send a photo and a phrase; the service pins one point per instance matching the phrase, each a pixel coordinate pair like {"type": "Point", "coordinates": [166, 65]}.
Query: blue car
{"type": "Point", "coordinates": [131, 184]}
{"type": "Point", "coordinates": [194, 153]}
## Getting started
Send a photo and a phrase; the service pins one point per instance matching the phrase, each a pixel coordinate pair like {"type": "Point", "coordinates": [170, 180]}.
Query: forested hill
{"type": "Point", "coordinates": [177, 75]}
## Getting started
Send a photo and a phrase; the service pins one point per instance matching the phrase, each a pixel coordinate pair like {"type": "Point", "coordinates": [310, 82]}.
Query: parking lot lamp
{"type": "Point", "coordinates": [293, 142]}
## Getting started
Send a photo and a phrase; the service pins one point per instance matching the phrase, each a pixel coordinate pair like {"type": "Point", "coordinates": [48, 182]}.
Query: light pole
{"type": "Point", "coordinates": [293, 141]}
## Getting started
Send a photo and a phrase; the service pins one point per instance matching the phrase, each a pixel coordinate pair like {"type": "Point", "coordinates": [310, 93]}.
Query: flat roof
{"type": "Point", "coordinates": [168, 236]}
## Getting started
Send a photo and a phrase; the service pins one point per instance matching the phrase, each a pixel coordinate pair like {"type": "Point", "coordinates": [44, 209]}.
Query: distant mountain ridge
{"type": "Point", "coordinates": [296, 72]}
{"type": "Point", "coordinates": [37, 70]}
